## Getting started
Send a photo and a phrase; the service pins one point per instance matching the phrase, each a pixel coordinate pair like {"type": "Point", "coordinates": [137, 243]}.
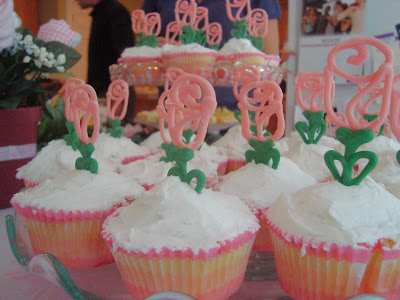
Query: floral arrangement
{"type": "Point", "coordinates": [25, 66]}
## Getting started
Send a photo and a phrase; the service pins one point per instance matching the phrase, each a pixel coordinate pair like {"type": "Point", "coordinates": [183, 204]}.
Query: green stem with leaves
{"type": "Point", "coordinates": [71, 138]}
{"type": "Point", "coordinates": [312, 132]}
{"type": "Point", "coordinates": [114, 131]}
{"type": "Point", "coordinates": [86, 162]}
{"type": "Point", "coordinates": [352, 140]}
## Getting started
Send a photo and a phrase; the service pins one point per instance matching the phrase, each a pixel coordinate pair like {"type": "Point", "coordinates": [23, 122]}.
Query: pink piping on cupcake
{"type": "Point", "coordinates": [41, 214]}
{"type": "Point", "coordinates": [247, 54]}
{"type": "Point", "coordinates": [183, 54]}
{"type": "Point", "coordinates": [225, 246]}
{"type": "Point", "coordinates": [135, 158]}
{"type": "Point", "coordinates": [29, 184]}
{"type": "Point", "coordinates": [138, 59]}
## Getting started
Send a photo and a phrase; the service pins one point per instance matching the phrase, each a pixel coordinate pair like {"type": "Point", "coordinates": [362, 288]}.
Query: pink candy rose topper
{"type": "Point", "coordinates": [214, 34]}
{"type": "Point", "coordinates": [66, 92]}
{"type": "Point", "coordinates": [172, 33]}
{"type": "Point", "coordinates": [312, 85]}
{"type": "Point", "coordinates": [188, 104]}
{"type": "Point", "coordinates": [258, 23]}
{"type": "Point", "coordinates": [84, 106]}
{"type": "Point", "coordinates": [201, 21]}
{"type": "Point", "coordinates": [264, 99]}
{"type": "Point", "coordinates": [185, 12]}
{"type": "Point", "coordinates": [369, 85]}
{"type": "Point", "coordinates": [235, 9]}
{"type": "Point", "coordinates": [147, 24]}
{"type": "Point", "coordinates": [117, 97]}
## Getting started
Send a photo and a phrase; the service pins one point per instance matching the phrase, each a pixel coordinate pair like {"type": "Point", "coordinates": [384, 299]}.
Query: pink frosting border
{"type": "Point", "coordinates": [225, 246]}
{"type": "Point", "coordinates": [138, 59]}
{"type": "Point", "coordinates": [183, 54]}
{"type": "Point", "coordinates": [29, 184]}
{"type": "Point", "coordinates": [130, 159]}
{"type": "Point", "coordinates": [44, 215]}
{"type": "Point", "coordinates": [247, 54]}
{"type": "Point", "coordinates": [332, 250]}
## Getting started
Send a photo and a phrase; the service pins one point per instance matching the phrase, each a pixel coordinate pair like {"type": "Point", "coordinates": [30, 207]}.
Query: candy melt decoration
{"type": "Point", "coordinates": [368, 84]}
{"type": "Point", "coordinates": [85, 107]}
{"type": "Point", "coordinates": [258, 22]}
{"type": "Point", "coordinates": [240, 6]}
{"type": "Point", "coordinates": [313, 84]}
{"type": "Point", "coordinates": [117, 94]}
{"type": "Point", "coordinates": [214, 35]}
{"type": "Point", "coordinates": [179, 107]}
{"type": "Point", "coordinates": [172, 33]}
{"type": "Point", "coordinates": [146, 26]}
{"type": "Point", "coordinates": [352, 141]}
{"type": "Point", "coordinates": [185, 12]}
{"type": "Point", "coordinates": [263, 153]}
{"type": "Point", "coordinates": [201, 20]}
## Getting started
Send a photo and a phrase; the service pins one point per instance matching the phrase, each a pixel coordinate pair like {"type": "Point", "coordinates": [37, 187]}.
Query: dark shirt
{"type": "Point", "coordinates": [110, 33]}
{"type": "Point", "coordinates": [216, 13]}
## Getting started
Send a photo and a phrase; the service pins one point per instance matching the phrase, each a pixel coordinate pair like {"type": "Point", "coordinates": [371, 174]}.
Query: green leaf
{"type": "Point", "coordinates": [57, 48]}
{"type": "Point", "coordinates": [9, 102]}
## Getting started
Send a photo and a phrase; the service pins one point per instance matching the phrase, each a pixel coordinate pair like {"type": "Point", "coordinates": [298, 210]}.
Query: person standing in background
{"type": "Point", "coordinates": [110, 33]}
{"type": "Point", "coordinates": [217, 13]}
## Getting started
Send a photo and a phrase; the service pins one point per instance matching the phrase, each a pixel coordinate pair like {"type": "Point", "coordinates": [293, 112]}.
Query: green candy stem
{"type": "Point", "coordinates": [398, 157]}
{"type": "Point", "coordinates": [71, 138]}
{"type": "Point", "coordinates": [214, 47]}
{"type": "Point", "coordinates": [257, 42]}
{"type": "Point", "coordinates": [263, 153]}
{"type": "Point", "coordinates": [181, 157]}
{"type": "Point", "coordinates": [241, 29]}
{"type": "Point", "coordinates": [201, 37]}
{"type": "Point", "coordinates": [370, 118]}
{"type": "Point", "coordinates": [146, 40]}
{"type": "Point", "coordinates": [114, 131]}
{"type": "Point", "coordinates": [86, 162]}
{"type": "Point", "coordinates": [352, 140]}
{"type": "Point", "coordinates": [312, 132]}
{"type": "Point", "coordinates": [188, 35]}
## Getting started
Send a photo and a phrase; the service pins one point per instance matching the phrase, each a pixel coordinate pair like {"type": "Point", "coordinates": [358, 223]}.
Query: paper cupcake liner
{"type": "Point", "coordinates": [189, 62]}
{"type": "Point", "coordinates": [138, 59]}
{"type": "Point", "coordinates": [222, 168]}
{"type": "Point", "coordinates": [263, 241]}
{"type": "Point", "coordinates": [211, 275]}
{"type": "Point", "coordinates": [29, 184]}
{"type": "Point", "coordinates": [74, 239]}
{"type": "Point", "coordinates": [234, 164]}
{"type": "Point", "coordinates": [248, 57]}
{"type": "Point", "coordinates": [316, 270]}
{"type": "Point", "coordinates": [135, 158]}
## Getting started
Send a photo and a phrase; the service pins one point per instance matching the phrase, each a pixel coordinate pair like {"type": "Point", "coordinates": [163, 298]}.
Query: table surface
{"type": "Point", "coordinates": [16, 283]}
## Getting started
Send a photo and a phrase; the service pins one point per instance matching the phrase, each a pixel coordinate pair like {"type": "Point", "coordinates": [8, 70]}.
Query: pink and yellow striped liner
{"type": "Point", "coordinates": [74, 238]}
{"type": "Point", "coordinates": [189, 62]}
{"type": "Point", "coordinates": [263, 241]}
{"type": "Point", "coordinates": [234, 164]}
{"type": "Point", "coordinates": [211, 275]}
{"type": "Point", "coordinates": [138, 59]}
{"type": "Point", "coordinates": [315, 270]}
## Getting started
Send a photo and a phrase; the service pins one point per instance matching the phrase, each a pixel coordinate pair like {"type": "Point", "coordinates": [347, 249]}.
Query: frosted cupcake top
{"type": "Point", "coordinates": [154, 140]}
{"type": "Point", "coordinates": [235, 45]}
{"type": "Point", "coordinates": [335, 213]}
{"type": "Point", "coordinates": [172, 215]}
{"type": "Point", "coordinates": [115, 150]}
{"type": "Point", "coordinates": [141, 51]}
{"type": "Point", "coordinates": [188, 48]}
{"type": "Point", "coordinates": [259, 185]}
{"type": "Point", "coordinates": [80, 190]}
{"type": "Point", "coordinates": [381, 144]}
{"type": "Point", "coordinates": [233, 143]}
{"type": "Point", "coordinates": [54, 159]}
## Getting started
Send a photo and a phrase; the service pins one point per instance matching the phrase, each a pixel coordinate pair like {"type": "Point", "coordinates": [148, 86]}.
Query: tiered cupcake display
{"type": "Point", "coordinates": [64, 215]}
{"type": "Point", "coordinates": [340, 239]}
{"type": "Point", "coordinates": [179, 236]}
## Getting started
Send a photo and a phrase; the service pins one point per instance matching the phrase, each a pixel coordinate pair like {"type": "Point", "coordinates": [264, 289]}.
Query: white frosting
{"type": "Point", "coordinates": [235, 45]}
{"type": "Point", "coordinates": [154, 140]}
{"type": "Point", "coordinates": [210, 153]}
{"type": "Point", "coordinates": [80, 190]}
{"type": "Point", "coordinates": [147, 171]}
{"type": "Point", "coordinates": [259, 185]}
{"type": "Point", "coordinates": [115, 150]}
{"type": "Point", "coordinates": [54, 159]}
{"type": "Point", "coordinates": [142, 51]}
{"type": "Point", "coordinates": [188, 48]}
{"type": "Point", "coordinates": [335, 213]}
{"type": "Point", "coordinates": [381, 144]}
{"type": "Point", "coordinates": [310, 158]}
{"type": "Point", "coordinates": [394, 189]}
{"type": "Point", "coordinates": [294, 140]}
{"type": "Point", "coordinates": [233, 143]}
{"type": "Point", "coordinates": [174, 216]}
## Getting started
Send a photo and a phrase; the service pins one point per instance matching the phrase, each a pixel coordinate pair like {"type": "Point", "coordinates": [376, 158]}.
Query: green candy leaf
{"type": "Point", "coordinates": [71, 138]}
{"type": "Point", "coordinates": [370, 118]}
{"type": "Point", "coordinates": [263, 153]}
{"type": "Point", "coordinates": [201, 37]}
{"type": "Point", "coordinates": [352, 140]}
{"type": "Point", "coordinates": [86, 162]}
{"type": "Point", "coordinates": [200, 179]}
{"type": "Point", "coordinates": [238, 115]}
{"type": "Point", "coordinates": [241, 29]}
{"type": "Point", "coordinates": [188, 35]}
{"type": "Point", "coordinates": [214, 47]}
{"type": "Point", "coordinates": [312, 132]}
{"type": "Point", "coordinates": [398, 157]}
{"type": "Point", "coordinates": [140, 39]}
{"type": "Point", "coordinates": [150, 40]}
{"type": "Point", "coordinates": [115, 131]}
{"type": "Point", "coordinates": [257, 42]}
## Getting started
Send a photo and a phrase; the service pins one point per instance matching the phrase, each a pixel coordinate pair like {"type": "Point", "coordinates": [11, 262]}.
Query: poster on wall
{"type": "Point", "coordinates": [325, 23]}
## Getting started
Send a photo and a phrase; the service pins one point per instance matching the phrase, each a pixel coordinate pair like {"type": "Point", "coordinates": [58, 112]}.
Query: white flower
{"type": "Point", "coordinates": [48, 63]}
{"type": "Point", "coordinates": [18, 36]}
{"type": "Point", "coordinates": [28, 40]}
{"type": "Point", "coordinates": [60, 69]}
{"type": "Point", "coordinates": [43, 50]}
{"type": "Point", "coordinates": [38, 63]}
{"type": "Point", "coordinates": [26, 59]}
{"type": "Point", "coordinates": [50, 56]}
{"type": "Point", "coordinates": [61, 59]}
{"type": "Point", "coordinates": [36, 51]}
{"type": "Point", "coordinates": [42, 56]}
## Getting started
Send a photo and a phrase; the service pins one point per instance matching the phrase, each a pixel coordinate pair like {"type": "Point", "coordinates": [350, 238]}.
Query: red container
{"type": "Point", "coordinates": [17, 127]}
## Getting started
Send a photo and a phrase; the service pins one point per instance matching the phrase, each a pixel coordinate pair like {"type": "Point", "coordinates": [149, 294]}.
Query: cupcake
{"type": "Point", "coordinates": [191, 58]}
{"type": "Point", "coordinates": [63, 216]}
{"type": "Point", "coordinates": [211, 160]}
{"type": "Point", "coordinates": [333, 241]}
{"type": "Point", "coordinates": [175, 239]}
{"type": "Point", "coordinates": [154, 141]}
{"type": "Point", "coordinates": [258, 186]}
